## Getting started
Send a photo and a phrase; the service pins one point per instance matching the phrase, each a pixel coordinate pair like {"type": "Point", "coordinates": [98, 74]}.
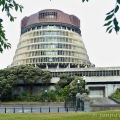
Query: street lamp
{"type": "Point", "coordinates": [84, 78]}
{"type": "Point", "coordinates": [46, 97]}
{"type": "Point", "coordinates": [78, 82]}
{"type": "Point", "coordinates": [46, 93]}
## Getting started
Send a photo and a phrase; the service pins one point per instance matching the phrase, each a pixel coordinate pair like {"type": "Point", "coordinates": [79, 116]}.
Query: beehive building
{"type": "Point", "coordinates": [51, 40]}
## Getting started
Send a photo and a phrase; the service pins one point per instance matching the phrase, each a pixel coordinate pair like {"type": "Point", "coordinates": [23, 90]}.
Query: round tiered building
{"type": "Point", "coordinates": [51, 39]}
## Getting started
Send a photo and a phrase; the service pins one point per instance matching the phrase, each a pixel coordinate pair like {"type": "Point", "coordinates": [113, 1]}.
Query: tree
{"type": "Point", "coordinates": [76, 87]}
{"type": "Point", "coordinates": [112, 22]}
{"type": "Point", "coordinates": [8, 79]}
{"type": "Point", "coordinates": [46, 77]}
{"type": "Point", "coordinates": [64, 92]}
{"type": "Point", "coordinates": [29, 74]}
{"type": "Point", "coordinates": [64, 80]}
{"type": "Point", "coordinates": [67, 85]}
{"type": "Point", "coordinates": [7, 5]}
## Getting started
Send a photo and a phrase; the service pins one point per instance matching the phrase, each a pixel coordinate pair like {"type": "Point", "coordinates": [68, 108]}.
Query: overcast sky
{"type": "Point", "coordinates": [103, 49]}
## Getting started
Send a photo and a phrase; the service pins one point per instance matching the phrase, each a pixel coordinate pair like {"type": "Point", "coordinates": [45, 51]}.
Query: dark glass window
{"type": "Point", "coordinates": [63, 27]}
{"type": "Point", "coordinates": [68, 28]}
{"type": "Point", "coordinates": [47, 15]}
{"type": "Point", "coordinates": [45, 27]}
{"type": "Point", "coordinates": [38, 27]}
{"type": "Point", "coordinates": [33, 28]}
{"type": "Point", "coordinates": [57, 27]}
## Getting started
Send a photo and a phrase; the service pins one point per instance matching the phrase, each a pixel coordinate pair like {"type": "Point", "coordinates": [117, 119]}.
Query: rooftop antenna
{"type": "Point", "coordinates": [50, 4]}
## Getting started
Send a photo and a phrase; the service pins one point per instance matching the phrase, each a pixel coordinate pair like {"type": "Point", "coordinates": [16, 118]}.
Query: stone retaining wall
{"type": "Point", "coordinates": [47, 104]}
{"type": "Point", "coordinates": [94, 108]}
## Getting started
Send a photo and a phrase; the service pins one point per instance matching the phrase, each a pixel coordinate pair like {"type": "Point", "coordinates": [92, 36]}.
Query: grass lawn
{"type": "Point", "coordinates": [104, 115]}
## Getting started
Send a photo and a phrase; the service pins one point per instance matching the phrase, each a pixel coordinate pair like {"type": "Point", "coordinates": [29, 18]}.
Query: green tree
{"type": "Point", "coordinates": [29, 74]}
{"type": "Point", "coordinates": [7, 6]}
{"type": "Point", "coordinates": [112, 22]}
{"type": "Point", "coordinates": [8, 79]}
{"type": "Point", "coordinates": [64, 80]}
{"type": "Point", "coordinates": [68, 85]}
{"type": "Point", "coordinates": [64, 92]}
{"type": "Point", "coordinates": [76, 87]}
{"type": "Point", "coordinates": [46, 77]}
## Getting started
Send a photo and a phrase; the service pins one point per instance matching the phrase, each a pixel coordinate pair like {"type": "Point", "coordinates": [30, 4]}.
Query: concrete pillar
{"type": "Point", "coordinates": [106, 91]}
{"type": "Point", "coordinates": [86, 105]}
{"type": "Point", "coordinates": [69, 65]}
{"type": "Point", "coordinates": [46, 66]}
{"type": "Point", "coordinates": [86, 100]}
{"type": "Point", "coordinates": [58, 66]}
{"type": "Point", "coordinates": [78, 97]}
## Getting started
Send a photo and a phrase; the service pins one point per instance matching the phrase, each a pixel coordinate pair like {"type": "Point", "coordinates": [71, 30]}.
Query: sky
{"type": "Point", "coordinates": [102, 48]}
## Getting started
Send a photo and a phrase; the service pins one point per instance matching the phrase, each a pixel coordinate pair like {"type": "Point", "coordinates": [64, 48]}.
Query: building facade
{"type": "Point", "coordinates": [51, 40]}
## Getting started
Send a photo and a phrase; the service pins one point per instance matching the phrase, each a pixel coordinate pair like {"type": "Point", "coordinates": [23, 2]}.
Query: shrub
{"type": "Point", "coordinates": [116, 94]}
{"type": "Point", "coordinates": [25, 94]}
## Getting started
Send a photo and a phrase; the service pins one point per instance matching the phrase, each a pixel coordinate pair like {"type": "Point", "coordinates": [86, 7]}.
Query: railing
{"type": "Point", "coordinates": [74, 104]}
{"type": "Point", "coordinates": [36, 109]}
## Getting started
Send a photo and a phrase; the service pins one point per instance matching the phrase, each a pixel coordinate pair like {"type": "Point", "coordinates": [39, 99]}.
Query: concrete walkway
{"type": "Point", "coordinates": [102, 101]}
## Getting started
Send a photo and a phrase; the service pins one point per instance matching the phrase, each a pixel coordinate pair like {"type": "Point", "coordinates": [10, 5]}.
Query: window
{"type": "Point", "coordinates": [33, 28]}
{"type": "Point", "coordinates": [51, 26]}
{"type": "Point", "coordinates": [38, 27]}
{"type": "Point", "coordinates": [57, 27]}
{"type": "Point", "coordinates": [45, 27]}
{"type": "Point", "coordinates": [63, 27]}
{"type": "Point", "coordinates": [68, 28]}
{"type": "Point", "coordinates": [50, 59]}
{"type": "Point", "coordinates": [47, 15]}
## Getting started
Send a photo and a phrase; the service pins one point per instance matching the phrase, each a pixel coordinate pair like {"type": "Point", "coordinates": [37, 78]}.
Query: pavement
{"type": "Point", "coordinates": [48, 107]}
{"type": "Point", "coordinates": [102, 101]}
{"type": "Point", "coordinates": [32, 109]}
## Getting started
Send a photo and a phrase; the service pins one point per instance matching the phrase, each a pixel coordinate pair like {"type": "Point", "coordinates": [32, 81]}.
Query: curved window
{"type": "Point", "coordinates": [50, 39]}
{"type": "Point", "coordinates": [56, 52]}
{"type": "Point", "coordinates": [52, 59]}
{"type": "Point", "coordinates": [46, 46]}
{"type": "Point", "coordinates": [48, 15]}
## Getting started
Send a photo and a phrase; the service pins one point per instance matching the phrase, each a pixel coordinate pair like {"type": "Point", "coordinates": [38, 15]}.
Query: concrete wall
{"type": "Point", "coordinates": [103, 79]}
{"type": "Point", "coordinates": [94, 108]}
{"type": "Point", "coordinates": [109, 88]}
{"type": "Point", "coordinates": [106, 81]}
{"type": "Point", "coordinates": [36, 89]}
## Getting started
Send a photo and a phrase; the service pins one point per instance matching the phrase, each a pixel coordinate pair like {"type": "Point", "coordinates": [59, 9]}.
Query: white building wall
{"type": "Point", "coordinates": [103, 79]}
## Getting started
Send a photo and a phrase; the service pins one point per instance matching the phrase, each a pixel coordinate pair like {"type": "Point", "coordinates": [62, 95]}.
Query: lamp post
{"type": "Point", "coordinates": [84, 78]}
{"type": "Point", "coordinates": [46, 98]}
{"type": "Point", "coordinates": [78, 82]}
{"type": "Point", "coordinates": [46, 93]}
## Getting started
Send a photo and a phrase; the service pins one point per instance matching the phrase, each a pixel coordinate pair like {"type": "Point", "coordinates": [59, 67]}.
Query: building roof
{"type": "Point", "coordinates": [61, 18]}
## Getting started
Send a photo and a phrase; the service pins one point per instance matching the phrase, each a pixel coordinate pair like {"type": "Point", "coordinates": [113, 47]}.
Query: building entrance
{"type": "Point", "coordinates": [97, 91]}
